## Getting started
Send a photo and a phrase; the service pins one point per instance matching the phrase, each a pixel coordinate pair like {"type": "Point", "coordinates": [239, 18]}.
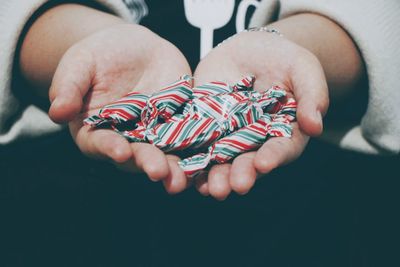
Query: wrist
{"type": "Point", "coordinates": [52, 34]}
{"type": "Point", "coordinates": [332, 46]}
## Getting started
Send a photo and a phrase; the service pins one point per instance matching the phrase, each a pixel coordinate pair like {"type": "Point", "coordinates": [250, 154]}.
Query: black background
{"type": "Point", "coordinates": [329, 208]}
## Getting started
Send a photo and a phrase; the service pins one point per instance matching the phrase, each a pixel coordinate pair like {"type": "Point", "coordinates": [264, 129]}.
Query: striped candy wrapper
{"type": "Point", "coordinates": [206, 119]}
{"type": "Point", "coordinates": [128, 108]}
{"type": "Point", "coordinates": [136, 106]}
{"type": "Point", "coordinates": [164, 104]}
{"type": "Point", "coordinates": [226, 120]}
{"type": "Point", "coordinates": [245, 139]}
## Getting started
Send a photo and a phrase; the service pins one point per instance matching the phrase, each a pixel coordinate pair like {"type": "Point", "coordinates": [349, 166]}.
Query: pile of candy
{"type": "Point", "coordinates": [215, 122]}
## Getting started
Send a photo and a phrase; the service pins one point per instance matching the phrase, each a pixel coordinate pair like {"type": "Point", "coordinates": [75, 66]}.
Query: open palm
{"type": "Point", "coordinates": [104, 67]}
{"type": "Point", "coordinates": [273, 60]}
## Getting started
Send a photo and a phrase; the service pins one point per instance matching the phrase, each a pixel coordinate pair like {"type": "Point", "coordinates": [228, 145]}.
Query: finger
{"type": "Point", "coordinates": [151, 160]}
{"type": "Point", "coordinates": [202, 184]}
{"type": "Point", "coordinates": [218, 181]}
{"type": "Point", "coordinates": [279, 151]}
{"type": "Point", "coordinates": [101, 143]}
{"type": "Point", "coordinates": [70, 84]}
{"type": "Point", "coordinates": [243, 173]}
{"type": "Point", "coordinates": [112, 145]}
{"type": "Point", "coordinates": [176, 180]}
{"type": "Point", "coordinates": [311, 93]}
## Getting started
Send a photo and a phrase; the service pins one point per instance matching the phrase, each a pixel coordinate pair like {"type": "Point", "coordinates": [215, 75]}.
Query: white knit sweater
{"type": "Point", "coordinates": [374, 27]}
{"type": "Point", "coordinates": [18, 120]}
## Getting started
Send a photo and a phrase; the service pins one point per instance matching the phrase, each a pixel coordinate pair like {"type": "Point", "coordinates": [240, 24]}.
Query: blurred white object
{"type": "Point", "coordinates": [208, 15]}
{"type": "Point", "coordinates": [242, 11]}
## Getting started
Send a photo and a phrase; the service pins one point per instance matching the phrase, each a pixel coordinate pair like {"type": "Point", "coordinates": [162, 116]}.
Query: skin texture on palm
{"type": "Point", "coordinates": [99, 61]}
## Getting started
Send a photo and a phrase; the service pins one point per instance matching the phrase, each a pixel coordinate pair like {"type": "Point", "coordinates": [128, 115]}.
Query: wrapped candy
{"type": "Point", "coordinates": [245, 139]}
{"type": "Point", "coordinates": [224, 120]}
{"type": "Point", "coordinates": [135, 106]}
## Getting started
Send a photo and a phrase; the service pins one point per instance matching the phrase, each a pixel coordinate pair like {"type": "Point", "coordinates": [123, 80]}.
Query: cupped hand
{"type": "Point", "coordinates": [104, 67]}
{"type": "Point", "coordinates": [273, 60]}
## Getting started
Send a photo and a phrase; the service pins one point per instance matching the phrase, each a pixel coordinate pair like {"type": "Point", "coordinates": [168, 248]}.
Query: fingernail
{"type": "Point", "coordinates": [221, 198]}
{"type": "Point", "coordinates": [56, 102]}
{"type": "Point", "coordinates": [153, 179]}
{"type": "Point", "coordinates": [318, 117]}
{"type": "Point", "coordinates": [53, 102]}
{"type": "Point", "coordinates": [242, 193]}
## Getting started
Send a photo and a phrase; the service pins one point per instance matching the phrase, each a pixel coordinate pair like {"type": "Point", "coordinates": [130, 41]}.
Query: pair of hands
{"type": "Point", "coordinates": [108, 64]}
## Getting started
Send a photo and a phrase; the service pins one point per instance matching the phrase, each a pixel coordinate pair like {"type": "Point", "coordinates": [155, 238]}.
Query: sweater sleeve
{"type": "Point", "coordinates": [24, 120]}
{"type": "Point", "coordinates": [374, 27]}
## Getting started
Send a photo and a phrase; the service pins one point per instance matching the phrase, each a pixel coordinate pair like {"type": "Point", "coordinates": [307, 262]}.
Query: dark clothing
{"type": "Point", "coordinates": [168, 19]}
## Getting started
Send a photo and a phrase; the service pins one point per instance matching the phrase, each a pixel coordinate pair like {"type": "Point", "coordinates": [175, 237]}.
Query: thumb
{"type": "Point", "coordinates": [70, 84]}
{"type": "Point", "coordinates": [311, 93]}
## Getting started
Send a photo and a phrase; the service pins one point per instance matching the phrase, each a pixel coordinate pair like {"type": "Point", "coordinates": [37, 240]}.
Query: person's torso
{"type": "Point", "coordinates": [197, 25]}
